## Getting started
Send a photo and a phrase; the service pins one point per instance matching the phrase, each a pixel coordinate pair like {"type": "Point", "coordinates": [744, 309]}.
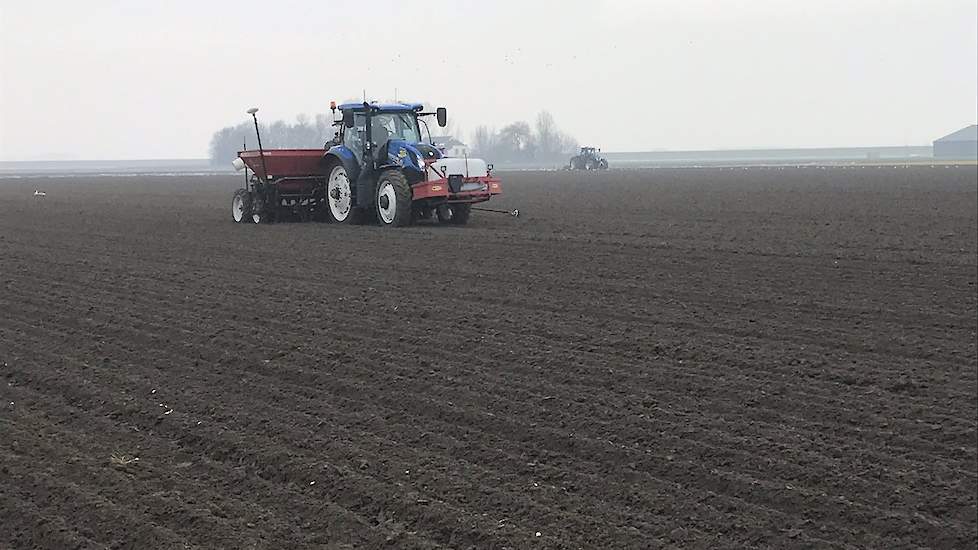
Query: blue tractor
{"type": "Point", "coordinates": [377, 167]}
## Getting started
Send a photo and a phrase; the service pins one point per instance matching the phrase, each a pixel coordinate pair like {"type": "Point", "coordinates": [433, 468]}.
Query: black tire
{"type": "Point", "coordinates": [460, 214]}
{"type": "Point", "coordinates": [259, 211]}
{"type": "Point", "coordinates": [393, 200]}
{"type": "Point", "coordinates": [320, 212]}
{"type": "Point", "coordinates": [444, 213]}
{"type": "Point", "coordinates": [241, 206]}
{"type": "Point", "coordinates": [603, 165]}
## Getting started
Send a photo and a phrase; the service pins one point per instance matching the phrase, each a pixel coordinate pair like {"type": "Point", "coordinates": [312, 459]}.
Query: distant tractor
{"type": "Point", "coordinates": [589, 159]}
{"type": "Point", "coordinates": [376, 168]}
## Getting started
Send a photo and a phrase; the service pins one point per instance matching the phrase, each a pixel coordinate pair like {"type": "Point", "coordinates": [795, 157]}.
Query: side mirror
{"type": "Point", "coordinates": [442, 114]}
{"type": "Point", "coordinates": [348, 119]}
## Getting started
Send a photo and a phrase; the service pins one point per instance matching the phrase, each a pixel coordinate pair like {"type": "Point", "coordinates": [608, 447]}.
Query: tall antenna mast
{"type": "Point", "coordinates": [244, 147]}
{"type": "Point", "coordinates": [261, 152]}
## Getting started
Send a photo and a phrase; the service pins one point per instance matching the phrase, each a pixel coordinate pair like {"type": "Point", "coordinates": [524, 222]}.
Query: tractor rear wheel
{"type": "Point", "coordinates": [339, 196]}
{"type": "Point", "coordinates": [241, 206]}
{"type": "Point", "coordinates": [393, 199]}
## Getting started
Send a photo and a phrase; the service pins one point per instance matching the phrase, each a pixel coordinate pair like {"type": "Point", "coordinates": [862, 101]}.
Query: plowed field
{"type": "Point", "coordinates": [700, 358]}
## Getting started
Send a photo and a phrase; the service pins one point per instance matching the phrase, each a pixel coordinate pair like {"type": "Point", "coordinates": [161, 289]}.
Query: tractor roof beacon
{"type": "Point", "coordinates": [589, 159]}
{"type": "Point", "coordinates": [376, 167]}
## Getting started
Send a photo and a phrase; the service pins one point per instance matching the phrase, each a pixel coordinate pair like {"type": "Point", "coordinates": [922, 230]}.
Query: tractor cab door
{"type": "Point", "coordinates": [354, 137]}
{"type": "Point", "coordinates": [381, 130]}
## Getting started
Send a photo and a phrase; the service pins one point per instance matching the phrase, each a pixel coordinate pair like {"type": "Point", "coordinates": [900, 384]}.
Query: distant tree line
{"type": "Point", "coordinates": [518, 142]}
{"type": "Point", "coordinates": [305, 132]}
{"type": "Point", "coordinates": [514, 143]}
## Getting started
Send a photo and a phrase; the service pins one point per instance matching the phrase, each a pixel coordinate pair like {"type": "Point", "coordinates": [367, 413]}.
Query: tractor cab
{"type": "Point", "coordinates": [379, 135]}
{"type": "Point", "coordinates": [384, 126]}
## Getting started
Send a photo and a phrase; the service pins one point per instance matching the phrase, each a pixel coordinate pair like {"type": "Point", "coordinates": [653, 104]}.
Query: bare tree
{"type": "Point", "coordinates": [225, 143]}
{"type": "Point", "coordinates": [516, 142]}
{"type": "Point", "coordinates": [548, 137]}
{"type": "Point", "coordinates": [325, 128]}
{"type": "Point", "coordinates": [484, 142]}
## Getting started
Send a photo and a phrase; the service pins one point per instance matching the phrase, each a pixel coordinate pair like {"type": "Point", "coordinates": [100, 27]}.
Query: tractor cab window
{"type": "Point", "coordinates": [353, 137]}
{"type": "Point", "coordinates": [387, 126]}
{"type": "Point", "coordinates": [421, 122]}
{"type": "Point", "coordinates": [383, 127]}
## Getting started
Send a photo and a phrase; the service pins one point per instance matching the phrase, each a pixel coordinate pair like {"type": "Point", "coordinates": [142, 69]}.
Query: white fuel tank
{"type": "Point", "coordinates": [469, 168]}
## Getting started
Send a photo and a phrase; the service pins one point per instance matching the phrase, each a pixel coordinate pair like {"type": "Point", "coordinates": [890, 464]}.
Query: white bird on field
{"type": "Point", "coordinates": [40, 193]}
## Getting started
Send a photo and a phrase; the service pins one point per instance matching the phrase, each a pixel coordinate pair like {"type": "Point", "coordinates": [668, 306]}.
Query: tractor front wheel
{"type": "Point", "coordinates": [241, 206]}
{"type": "Point", "coordinates": [393, 199]}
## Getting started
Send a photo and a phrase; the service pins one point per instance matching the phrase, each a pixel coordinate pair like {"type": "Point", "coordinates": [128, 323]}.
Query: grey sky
{"type": "Point", "coordinates": [123, 80]}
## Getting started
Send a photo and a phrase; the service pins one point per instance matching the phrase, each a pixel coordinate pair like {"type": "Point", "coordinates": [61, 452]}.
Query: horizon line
{"type": "Point", "coordinates": [732, 149]}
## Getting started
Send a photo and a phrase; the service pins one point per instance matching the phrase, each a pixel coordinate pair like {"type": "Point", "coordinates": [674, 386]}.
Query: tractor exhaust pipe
{"type": "Point", "coordinates": [514, 212]}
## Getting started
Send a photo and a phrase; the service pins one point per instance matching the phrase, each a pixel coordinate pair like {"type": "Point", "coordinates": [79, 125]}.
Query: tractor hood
{"type": "Point", "coordinates": [406, 155]}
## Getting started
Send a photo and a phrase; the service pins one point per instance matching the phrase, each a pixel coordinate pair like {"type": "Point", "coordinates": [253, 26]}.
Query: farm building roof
{"type": "Point", "coordinates": [968, 133]}
{"type": "Point", "coordinates": [447, 141]}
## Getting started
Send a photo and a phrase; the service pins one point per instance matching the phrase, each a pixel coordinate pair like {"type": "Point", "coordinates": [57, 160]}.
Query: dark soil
{"type": "Point", "coordinates": [739, 358]}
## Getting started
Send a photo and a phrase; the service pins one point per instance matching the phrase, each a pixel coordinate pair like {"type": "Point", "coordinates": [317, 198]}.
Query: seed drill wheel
{"type": "Point", "coordinates": [259, 209]}
{"type": "Point", "coordinates": [339, 196]}
{"type": "Point", "coordinates": [241, 206]}
{"type": "Point", "coordinates": [444, 213]}
{"type": "Point", "coordinates": [461, 213]}
{"type": "Point", "coordinates": [393, 199]}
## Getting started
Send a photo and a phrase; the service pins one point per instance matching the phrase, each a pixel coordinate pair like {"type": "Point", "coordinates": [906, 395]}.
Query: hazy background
{"type": "Point", "coordinates": [128, 80]}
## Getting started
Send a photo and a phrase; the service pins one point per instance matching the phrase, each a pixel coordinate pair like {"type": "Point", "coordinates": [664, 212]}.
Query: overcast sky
{"type": "Point", "coordinates": [127, 80]}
